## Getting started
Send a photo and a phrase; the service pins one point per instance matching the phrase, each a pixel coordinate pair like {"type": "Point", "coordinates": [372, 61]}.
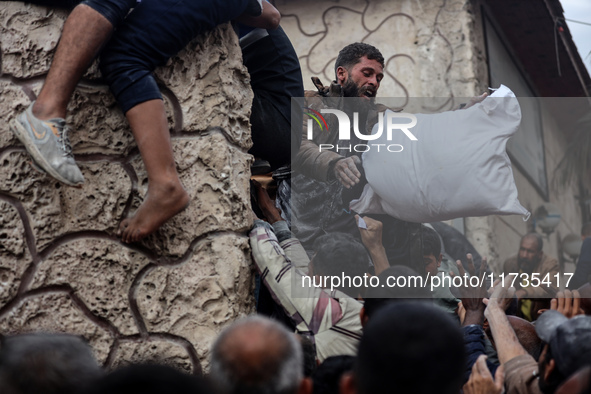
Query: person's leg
{"type": "Point", "coordinates": [42, 128]}
{"type": "Point", "coordinates": [270, 130]}
{"type": "Point", "coordinates": [85, 31]}
{"type": "Point", "coordinates": [151, 34]}
{"type": "Point", "coordinates": [166, 196]}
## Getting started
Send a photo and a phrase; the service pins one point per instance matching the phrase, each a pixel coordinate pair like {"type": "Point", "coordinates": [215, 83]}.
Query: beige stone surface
{"type": "Point", "coordinates": [427, 45]}
{"type": "Point", "coordinates": [55, 209]}
{"type": "Point", "coordinates": [55, 311]}
{"type": "Point", "coordinates": [15, 256]}
{"type": "Point", "coordinates": [29, 36]}
{"type": "Point", "coordinates": [201, 294]}
{"type": "Point", "coordinates": [100, 272]}
{"type": "Point", "coordinates": [62, 267]}
{"type": "Point", "coordinates": [216, 176]}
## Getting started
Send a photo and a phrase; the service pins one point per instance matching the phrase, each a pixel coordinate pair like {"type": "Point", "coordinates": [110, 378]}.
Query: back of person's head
{"type": "Point", "coordinates": [577, 383]}
{"type": "Point", "coordinates": [352, 54]}
{"type": "Point", "coordinates": [256, 355]}
{"type": "Point", "coordinates": [328, 374]}
{"type": "Point", "coordinates": [526, 335]}
{"type": "Point", "coordinates": [150, 379]}
{"type": "Point", "coordinates": [338, 255]}
{"type": "Point", "coordinates": [412, 347]}
{"type": "Point", "coordinates": [400, 283]}
{"type": "Point", "coordinates": [569, 347]}
{"type": "Point", "coordinates": [425, 242]}
{"type": "Point", "coordinates": [46, 363]}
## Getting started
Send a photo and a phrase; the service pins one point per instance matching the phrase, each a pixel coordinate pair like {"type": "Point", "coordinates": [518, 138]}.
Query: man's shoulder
{"type": "Point", "coordinates": [548, 262]}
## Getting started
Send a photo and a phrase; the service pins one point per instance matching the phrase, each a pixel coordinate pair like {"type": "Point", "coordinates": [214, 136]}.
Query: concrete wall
{"type": "Point", "coordinates": [61, 266]}
{"type": "Point", "coordinates": [432, 49]}
{"type": "Point", "coordinates": [428, 46]}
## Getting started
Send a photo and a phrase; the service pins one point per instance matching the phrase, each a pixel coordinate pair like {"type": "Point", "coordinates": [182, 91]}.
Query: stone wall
{"type": "Point", "coordinates": [61, 266]}
{"type": "Point", "coordinates": [431, 48]}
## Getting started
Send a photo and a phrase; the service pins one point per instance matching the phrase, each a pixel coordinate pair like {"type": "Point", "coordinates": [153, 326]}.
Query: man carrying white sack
{"type": "Point", "coordinates": [323, 175]}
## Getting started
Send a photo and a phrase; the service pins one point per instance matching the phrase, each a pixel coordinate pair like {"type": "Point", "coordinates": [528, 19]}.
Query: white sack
{"type": "Point", "coordinates": [458, 167]}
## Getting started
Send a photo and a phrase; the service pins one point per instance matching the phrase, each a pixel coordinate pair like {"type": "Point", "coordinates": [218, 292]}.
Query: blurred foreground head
{"type": "Point", "coordinates": [408, 347]}
{"type": "Point", "coordinates": [150, 379]}
{"type": "Point", "coordinates": [257, 355]}
{"type": "Point", "coordinates": [46, 363]}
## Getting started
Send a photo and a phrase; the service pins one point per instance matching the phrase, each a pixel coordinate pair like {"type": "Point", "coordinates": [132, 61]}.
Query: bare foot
{"type": "Point", "coordinates": [161, 203]}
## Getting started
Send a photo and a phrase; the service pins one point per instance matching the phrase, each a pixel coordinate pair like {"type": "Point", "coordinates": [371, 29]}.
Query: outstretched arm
{"type": "Point", "coordinates": [371, 236]}
{"type": "Point", "coordinates": [508, 346]}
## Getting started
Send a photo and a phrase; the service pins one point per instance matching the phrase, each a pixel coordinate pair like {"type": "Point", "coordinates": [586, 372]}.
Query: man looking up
{"type": "Point", "coordinates": [532, 260]}
{"type": "Point", "coordinates": [322, 176]}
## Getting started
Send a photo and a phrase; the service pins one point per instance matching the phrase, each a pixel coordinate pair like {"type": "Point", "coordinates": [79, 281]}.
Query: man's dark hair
{"type": "Point", "coordinates": [425, 242]}
{"type": "Point", "coordinates": [413, 346]}
{"type": "Point", "coordinates": [327, 377]}
{"type": "Point", "coordinates": [352, 54]}
{"type": "Point", "coordinates": [586, 229]}
{"type": "Point", "coordinates": [537, 237]}
{"type": "Point", "coordinates": [46, 363]}
{"type": "Point", "coordinates": [150, 379]}
{"type": "Point", "coordinates": [378, 297]}
{"type": "Point", "coordinates": [339, 254]}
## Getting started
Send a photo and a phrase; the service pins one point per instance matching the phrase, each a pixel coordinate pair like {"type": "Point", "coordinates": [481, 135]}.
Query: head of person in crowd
{"type": "Point", "coordinates": [567, 347]}
{"type": "Point", "coordinates": [359, 69]}
{"type": "Point", "coordinates": [425, 251]}
{"type": "Point", "coordinates": [401, 283]}
{"type": "Point", "coordinates": [328, 375]}
{"type": "Point", "coordinates": [340, 255]}
{"type": "Point", "coordinates": [586, 230]}
{"type": "Point", "coordinates": [258, 355]}
{"type": "Point", "coordinates": [46, 363]}
{"type": "Point", "coordinates": [150, 379]}
{"type": "Point", "coordinates": [578, 383]}
{"type": "Point", "coordinates": [408, 347]}
{"type": "Point", "coordinates": [530, 251]}
{"type": "Point", "coordinates": [526, 335]}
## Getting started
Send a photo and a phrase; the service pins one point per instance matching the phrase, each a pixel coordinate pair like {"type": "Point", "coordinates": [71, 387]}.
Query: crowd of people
{"type": "Point", "coordinates": [315, 331]}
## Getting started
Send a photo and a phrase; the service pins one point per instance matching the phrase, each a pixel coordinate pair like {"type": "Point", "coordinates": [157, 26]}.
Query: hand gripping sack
{"type": "Point", "coordinates": [458, 167]}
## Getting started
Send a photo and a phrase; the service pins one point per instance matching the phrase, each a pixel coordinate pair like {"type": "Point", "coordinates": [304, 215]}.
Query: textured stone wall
{"type": "Point", "coordinates": [431, 48]}
{"type": "Point", "coordinates": [61, 266]}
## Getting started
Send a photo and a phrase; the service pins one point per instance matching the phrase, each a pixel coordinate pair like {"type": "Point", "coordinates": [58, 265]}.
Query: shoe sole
{"type": "Point", "coordinates": [23, 136]}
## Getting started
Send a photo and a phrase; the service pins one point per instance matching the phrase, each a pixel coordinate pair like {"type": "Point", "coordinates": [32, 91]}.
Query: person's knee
{"type": "Point", "coordinates": [114, 11]}
{"type": "Point", "coordinates": [130, 82]}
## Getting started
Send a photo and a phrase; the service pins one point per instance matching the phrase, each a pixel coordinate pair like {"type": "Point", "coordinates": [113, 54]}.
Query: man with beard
{"type": "Point", "coordinates": [326, 180]}
{"type": "Point", "coordinates": [529, 263]}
